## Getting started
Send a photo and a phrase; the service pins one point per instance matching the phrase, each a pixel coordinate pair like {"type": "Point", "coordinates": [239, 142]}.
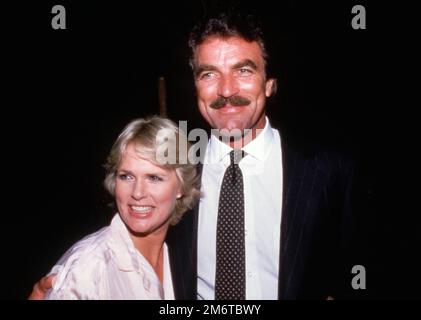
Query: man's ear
{"type": "Point", "coordinates": [271, 87]}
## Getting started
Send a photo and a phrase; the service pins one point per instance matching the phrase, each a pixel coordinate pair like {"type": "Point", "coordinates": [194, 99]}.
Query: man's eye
{"type": "Point", "coordinates": [207, 76]}
{"type": "Point", "coordinates": [244, 72]}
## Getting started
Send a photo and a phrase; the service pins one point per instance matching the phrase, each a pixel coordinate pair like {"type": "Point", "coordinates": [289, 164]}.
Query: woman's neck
{"type": "Point", "coordinates": [152, 249]}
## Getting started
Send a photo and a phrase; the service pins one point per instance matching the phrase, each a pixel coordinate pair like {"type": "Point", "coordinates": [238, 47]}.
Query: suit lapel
{"type": "Point", "coordinates": [295, 188]}
{"type": "Point", "coordinates": [182, 243]}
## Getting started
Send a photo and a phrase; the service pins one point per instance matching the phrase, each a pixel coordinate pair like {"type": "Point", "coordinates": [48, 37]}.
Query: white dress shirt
{"type": "Point", "coordinates": [106, 265]}
{"type": "Point", "coordinates": [262, 174]}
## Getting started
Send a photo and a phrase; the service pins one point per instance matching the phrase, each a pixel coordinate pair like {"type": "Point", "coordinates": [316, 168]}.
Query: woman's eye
{"type": "Point", "coordinates": [154, 178]}
{"type": "Point", "coordinates": [124, 176]}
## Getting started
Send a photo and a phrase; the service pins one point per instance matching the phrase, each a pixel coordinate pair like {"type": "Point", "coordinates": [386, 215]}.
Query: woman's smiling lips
{"type": "Point", "coordinates": [141, 210]}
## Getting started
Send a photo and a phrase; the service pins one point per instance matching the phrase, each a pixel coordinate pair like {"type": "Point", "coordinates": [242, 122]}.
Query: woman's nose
{"type": "Point", "coordinates": [138, 191]}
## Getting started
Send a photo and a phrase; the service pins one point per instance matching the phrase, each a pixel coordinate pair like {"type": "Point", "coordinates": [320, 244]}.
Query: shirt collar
{"type": "Point", "coordinates": [126, 256]}
{"type": "Point", "coordinates": [258, 148]}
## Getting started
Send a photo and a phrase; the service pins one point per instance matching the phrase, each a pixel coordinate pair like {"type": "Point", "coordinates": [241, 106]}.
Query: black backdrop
{"type": "Point", "coordinates": [72, 91]}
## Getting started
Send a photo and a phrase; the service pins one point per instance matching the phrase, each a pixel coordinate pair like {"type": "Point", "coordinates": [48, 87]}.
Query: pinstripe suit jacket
{"type": "Point", "coordinates": [315, 232]}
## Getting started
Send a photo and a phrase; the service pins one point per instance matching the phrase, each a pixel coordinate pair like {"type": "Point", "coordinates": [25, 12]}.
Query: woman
{"type": "Point", "coordinates": [129, 259]}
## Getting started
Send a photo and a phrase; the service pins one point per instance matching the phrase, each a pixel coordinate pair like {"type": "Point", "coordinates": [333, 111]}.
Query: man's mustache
{"type": "Point", "coordinates": [236, 101]}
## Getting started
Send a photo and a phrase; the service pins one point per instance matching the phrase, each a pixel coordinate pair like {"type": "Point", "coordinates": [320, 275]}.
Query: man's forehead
{"type": "Point", "coordinates": [235, 48]}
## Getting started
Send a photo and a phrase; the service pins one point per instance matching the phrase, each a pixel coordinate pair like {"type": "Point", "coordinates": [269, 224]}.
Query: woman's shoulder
{"type": "Point", "coordinates": [82, 265]}
{"type": "Point", "coordinates": [90, 247]}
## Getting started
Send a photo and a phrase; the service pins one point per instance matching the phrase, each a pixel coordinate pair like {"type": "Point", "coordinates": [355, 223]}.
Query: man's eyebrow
{"type": "Point", "coordinates": [245, 63]}
{"type": "Point", "coordinates": [208, 67]}
{"type": "Point", "coordinates": [203, 67]}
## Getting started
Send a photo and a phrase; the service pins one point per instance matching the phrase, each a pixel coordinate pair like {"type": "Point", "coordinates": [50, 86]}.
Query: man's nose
{"type": "Point", "coordinates": [139, 190]}
{"type": "Point", "coordinates": [227, 86]}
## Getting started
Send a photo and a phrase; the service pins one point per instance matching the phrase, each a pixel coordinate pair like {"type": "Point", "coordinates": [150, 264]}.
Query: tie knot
{"type": "Point", "coordinates": [236, 155]}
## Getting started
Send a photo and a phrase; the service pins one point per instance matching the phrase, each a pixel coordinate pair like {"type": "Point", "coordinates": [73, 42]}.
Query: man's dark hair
{"type": "Point", "coordinates": [225, 26]}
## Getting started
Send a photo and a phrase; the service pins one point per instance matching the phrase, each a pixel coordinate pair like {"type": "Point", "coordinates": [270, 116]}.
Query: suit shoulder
{"type": "Point", "coordinates": [322, 157]}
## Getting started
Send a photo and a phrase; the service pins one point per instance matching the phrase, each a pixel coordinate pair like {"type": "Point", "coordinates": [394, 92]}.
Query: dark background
{"type": "Point", "coordinates": [70, 92]}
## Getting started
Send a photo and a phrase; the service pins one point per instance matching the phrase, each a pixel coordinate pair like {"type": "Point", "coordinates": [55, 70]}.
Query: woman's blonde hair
{"type": "Point", "coordinates": [148, 135]}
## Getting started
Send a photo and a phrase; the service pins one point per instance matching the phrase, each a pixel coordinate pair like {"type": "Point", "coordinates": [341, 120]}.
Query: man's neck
{"type": "Point", "coordinates": [250, 135]}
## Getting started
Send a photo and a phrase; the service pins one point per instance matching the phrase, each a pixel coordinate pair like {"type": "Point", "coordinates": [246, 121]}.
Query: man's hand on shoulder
{"type": "Point", "coordinates": [41, 287]}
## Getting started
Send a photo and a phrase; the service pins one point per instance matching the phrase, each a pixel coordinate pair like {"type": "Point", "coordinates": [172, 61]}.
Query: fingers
{"type": "Point", "coordinates": [46, 283]}
{"type": "Point", "coordinates": [41, 287]}
{"type": "Point", "coordinates": [37, 293]}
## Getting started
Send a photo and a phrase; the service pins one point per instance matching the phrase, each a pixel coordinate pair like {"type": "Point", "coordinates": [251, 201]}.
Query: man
{"type": "Point", "coordinates": [296, 254]}
{"type": "Point", "coordinates": [295, 206]}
